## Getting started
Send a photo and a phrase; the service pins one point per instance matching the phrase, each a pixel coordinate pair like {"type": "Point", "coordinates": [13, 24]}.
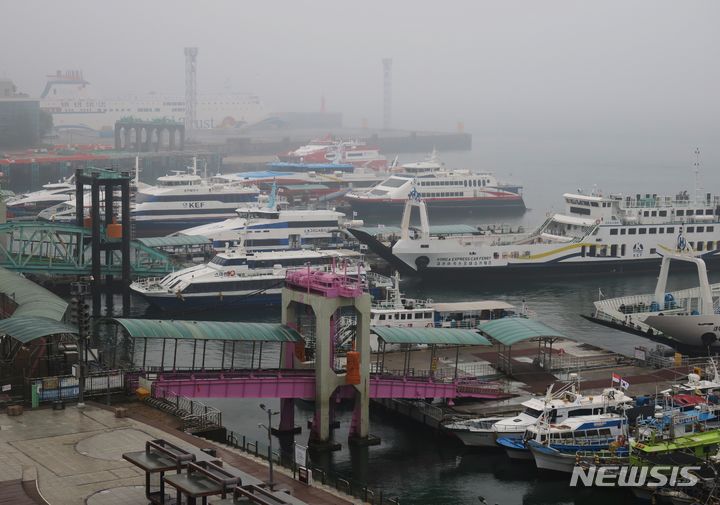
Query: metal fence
{"type": "Point", "coordinates": [343, 484]}
{"type": "Point", "coordinates": [67, 387]}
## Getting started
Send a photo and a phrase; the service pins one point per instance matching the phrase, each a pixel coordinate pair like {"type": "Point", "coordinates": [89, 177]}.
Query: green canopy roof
{"type": "Point", "coordinates": [177, 241]}
{"type": "Point", "coordinates": [32, 299]}
{"type": "Point", "coordinates": [208, 330]}
{"type": "Point", "coordinates": [511, 330]}
{"type": "Point", "coordinates": [449, 336]}
{"type": "Point", "coordinates": [25, 329]}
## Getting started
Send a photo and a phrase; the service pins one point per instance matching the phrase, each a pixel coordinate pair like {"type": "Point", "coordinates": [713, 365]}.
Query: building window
{"type": "Point", "coordinates": [690, 229]}
{"type": "Point", "coordinates": [710, 229]}
{"type": "Point", "coordinates": [699, 246]}
{"type": "Point", "coordinates": [661, 230]}
{"type": "Point", "coordinates": [700, 229]}
{"type": "Point", "coordinates": [671, 229]}
{"type": "Point", "coordinates": [680, 213]}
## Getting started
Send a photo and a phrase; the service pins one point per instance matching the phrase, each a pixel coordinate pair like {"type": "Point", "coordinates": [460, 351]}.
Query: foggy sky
{"type": "Point", "coordinates": [533, 69]}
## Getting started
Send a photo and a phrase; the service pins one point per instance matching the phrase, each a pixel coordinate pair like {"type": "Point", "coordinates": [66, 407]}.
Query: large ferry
{"type": "Point", "coordinates": [330, 150]}
{"type": "Point", "coordinates": [236, 277]}
{"type": "Point", "coordinates": [596, 233]}
{"type": "Point", "coordinates": [441, 189]}
{"type": "Point", "coordinates": [74, 104]}
{"type": "Point", "coordinates": [185, 199]}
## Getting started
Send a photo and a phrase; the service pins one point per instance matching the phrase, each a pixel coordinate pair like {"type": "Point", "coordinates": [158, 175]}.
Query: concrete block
{"type": "Point", "coordinates": [120, 412]}
{"type": "Point", "coordinates": [15, 410]}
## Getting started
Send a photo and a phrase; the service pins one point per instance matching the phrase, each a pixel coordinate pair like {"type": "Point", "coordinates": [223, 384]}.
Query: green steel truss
{"type": "Point", "coordinates": [64, 249]}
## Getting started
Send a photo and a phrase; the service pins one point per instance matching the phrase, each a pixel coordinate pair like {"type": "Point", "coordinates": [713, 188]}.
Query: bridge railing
{"type": "Point", "coordinates": [341, 483]}
{"type": "Point", "coordinates": [66, 387]}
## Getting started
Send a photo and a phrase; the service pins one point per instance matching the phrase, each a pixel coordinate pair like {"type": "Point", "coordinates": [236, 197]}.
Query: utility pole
{"type": "Point", "coordinates": [270, 413]}
{"type": "Point", "coordinates": [80, 315]}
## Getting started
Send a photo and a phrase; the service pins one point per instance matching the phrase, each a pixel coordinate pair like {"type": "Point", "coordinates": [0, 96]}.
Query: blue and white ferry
{"type": "Point", "coordinates": [185, 199]}
{"type": "Point", "coordinates": [272, 228]}
{"type": "Point", "coordinates": [238, 277]}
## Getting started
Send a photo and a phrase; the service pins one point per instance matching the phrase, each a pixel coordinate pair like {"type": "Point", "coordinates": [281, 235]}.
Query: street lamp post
{"type": "Point", "coordinates": [270, 414]}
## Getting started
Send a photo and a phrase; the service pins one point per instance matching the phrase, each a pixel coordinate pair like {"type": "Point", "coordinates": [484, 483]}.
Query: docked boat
{"type": "Point", "coordinates": [271, 228]}
{"type": "Point", "coordinates": [596, 233]}
{"type": "Point", "coordinates": [688, 317]}
{"type": "Point", "coordinates": [678, 415]}
{"type": "Point", "coordinates": [331, 150]}
{"type": "Point", "coordinates": [31, 204]}
{"type": "Point", "coordinates": [474, 432]}
{"type": "Point", "coordinates": [237, 277]}
{"type": "Point", "coordinates": [440, 189]}
{"type": "Point", "coordinates": [562, 401]}
{"type": "Point", "coordinates": [555, 446]}
{"type": "Point", "coordinates": [185, 199]}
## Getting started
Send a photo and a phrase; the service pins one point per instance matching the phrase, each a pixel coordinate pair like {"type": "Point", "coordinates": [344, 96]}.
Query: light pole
{"type": "Point", "coordinates": [270, 413]}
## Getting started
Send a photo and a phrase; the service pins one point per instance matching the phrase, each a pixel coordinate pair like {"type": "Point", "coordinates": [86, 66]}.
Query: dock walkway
{"type": "Point", "coordinates": [78, 457]}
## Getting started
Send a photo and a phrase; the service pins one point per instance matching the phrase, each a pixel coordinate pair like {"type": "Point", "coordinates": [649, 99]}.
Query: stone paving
{"type": "Point", "coordinates": [78, 454]}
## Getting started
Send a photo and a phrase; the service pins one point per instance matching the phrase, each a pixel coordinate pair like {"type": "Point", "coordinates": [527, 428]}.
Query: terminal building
{"type": "Point", "coordinates": [19, 117]}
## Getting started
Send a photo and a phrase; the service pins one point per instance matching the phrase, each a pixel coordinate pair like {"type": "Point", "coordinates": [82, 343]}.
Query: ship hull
{"type": "Point", "coordinates": [394, 208]}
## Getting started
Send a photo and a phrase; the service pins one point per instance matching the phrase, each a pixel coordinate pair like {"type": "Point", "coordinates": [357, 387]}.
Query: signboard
{"type": "Point", "coordinates": [6, 388]}
{"type": "Point", "coordinates": [305, 475]}
{"type": "Point", "coordinates": [300, 455]}
{"type": "Point", "coordinates": [640, 353]}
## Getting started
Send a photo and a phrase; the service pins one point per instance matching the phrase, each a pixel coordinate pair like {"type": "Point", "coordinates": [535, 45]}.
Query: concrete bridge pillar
{"type": "Point", "coordinates": [327, 380]}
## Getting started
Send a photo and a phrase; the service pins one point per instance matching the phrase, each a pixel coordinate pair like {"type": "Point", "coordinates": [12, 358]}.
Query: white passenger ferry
{"type": "Point", "coordinates": [596, 233]}
{"type": "Point", "coordinates": [74, 104]}
{"type": "Point", "coordinates": [236, 277]}
{"type": "Point", "coordinates": [272, 228]}
{"type": "Point", "coordinates": [185, 199]}
{"type": "Point", "coordinates": [31, 204]}
{"type": "Point", "coordinates": [441, 189]}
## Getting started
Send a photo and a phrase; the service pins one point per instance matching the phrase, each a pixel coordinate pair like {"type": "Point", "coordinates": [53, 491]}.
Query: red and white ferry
{"type": "Point", "coordinates": [331, 150]}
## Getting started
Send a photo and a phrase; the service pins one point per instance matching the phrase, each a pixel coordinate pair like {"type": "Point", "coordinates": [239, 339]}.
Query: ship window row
{"type": "Point", "coordinates": [445, 194]}
{"type": "Point", "coordinates": [657, 230]}
{"type": "Point", "coordinates": [226, 286]}
{"type": "Point", "coordinates": [693, 212]}
{"type": "Point", "coordinates": [215, 197]}
{"type": "Point", "coordinates": [587, 203]}
{"type": "Point", "coordinates": [637, 250]}
{"type": "Point", "coordinates": [467, 183]}
{"type": "Point", "coordinates": [405, 317]}
{"type": "Point", "coordinates": [580, 210]}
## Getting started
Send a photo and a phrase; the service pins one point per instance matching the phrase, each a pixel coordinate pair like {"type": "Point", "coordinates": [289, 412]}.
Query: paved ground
{"type": "Point", "coordinates": [77, 455]}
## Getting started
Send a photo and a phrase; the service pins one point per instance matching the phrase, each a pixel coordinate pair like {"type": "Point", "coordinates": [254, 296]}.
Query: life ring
{"type": "Point", "coordinates": [597, 221]}
{"type": "Point", "coordinates": [231, 273]}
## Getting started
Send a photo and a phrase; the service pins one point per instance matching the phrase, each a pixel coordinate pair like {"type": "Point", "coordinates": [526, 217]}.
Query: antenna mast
{"type": "Point", "coordinates": [697, 174]}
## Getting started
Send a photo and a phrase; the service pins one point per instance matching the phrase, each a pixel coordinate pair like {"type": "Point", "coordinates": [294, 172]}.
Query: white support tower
{"type": "Point", "coordinates": [190, 87]}
{"type": "Point", "coordinates": [387, 93]}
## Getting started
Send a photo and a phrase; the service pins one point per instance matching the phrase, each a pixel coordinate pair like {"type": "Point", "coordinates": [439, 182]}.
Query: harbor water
{"type": "Point", "coordinates": [426, 468]}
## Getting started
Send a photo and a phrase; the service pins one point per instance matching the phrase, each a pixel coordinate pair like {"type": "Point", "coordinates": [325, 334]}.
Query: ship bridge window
{"type": "Point", "coordinates": [652, 231]}
{"type": "Point", "coordinates": [646, 213]}
{"type": "Point", "coordinates": [710, 229]}
{"type": "Point", "coordinates": [642, 231]}
{"type": "Point", "coordinates": [613, 231]}
{"type": "Point", "coordinates": [671, 229]}
{"type": "Point", "coordinates": [394, 182]}
{"type": "Point", "coordinates": [690, 229]}
{"type": "Point", "coordinates": [382, 317]}
{"type": "Point", "coordinates": [661, 230]}
{"type": "Point", "coordinates": [699, 246]}
{"type": "Point", "coordinates": [653, 213]}
{"type": "Point", "coordinates": [532, 412]}
{"type": "Point", "coordinates": [632, 231]}
{"type": "Point", "coordinates": [680, 212]}
{"type": "Point", "coordinates": [662, 213]}
{"type": "Point", "coordinates": [689, 212]}
{"type": "Point", "coordinates": [219, 260]}
{"type": "Point", "coordinates": [700, 229]}
{"type": "Point", "coordinates": [594, 204]}
{"type": "Point", "coordinates": [622, 231]}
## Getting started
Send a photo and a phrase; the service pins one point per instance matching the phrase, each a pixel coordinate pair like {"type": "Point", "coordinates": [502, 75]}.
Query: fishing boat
{"type": "Point", "coordinates": [238, 277]}
{"type": "Point", "coordinates": [687, 317]}
{"type": "Point", "coordinates": [562, 400]}
{"type": "Point", "coordinates": [678, 415]}
{"type": "Point", "coordinates": [554, 446]}
{"type": "Point", "coordinates": [185, 199]}
{"type": "Point", "coordinates": [596, 234]}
